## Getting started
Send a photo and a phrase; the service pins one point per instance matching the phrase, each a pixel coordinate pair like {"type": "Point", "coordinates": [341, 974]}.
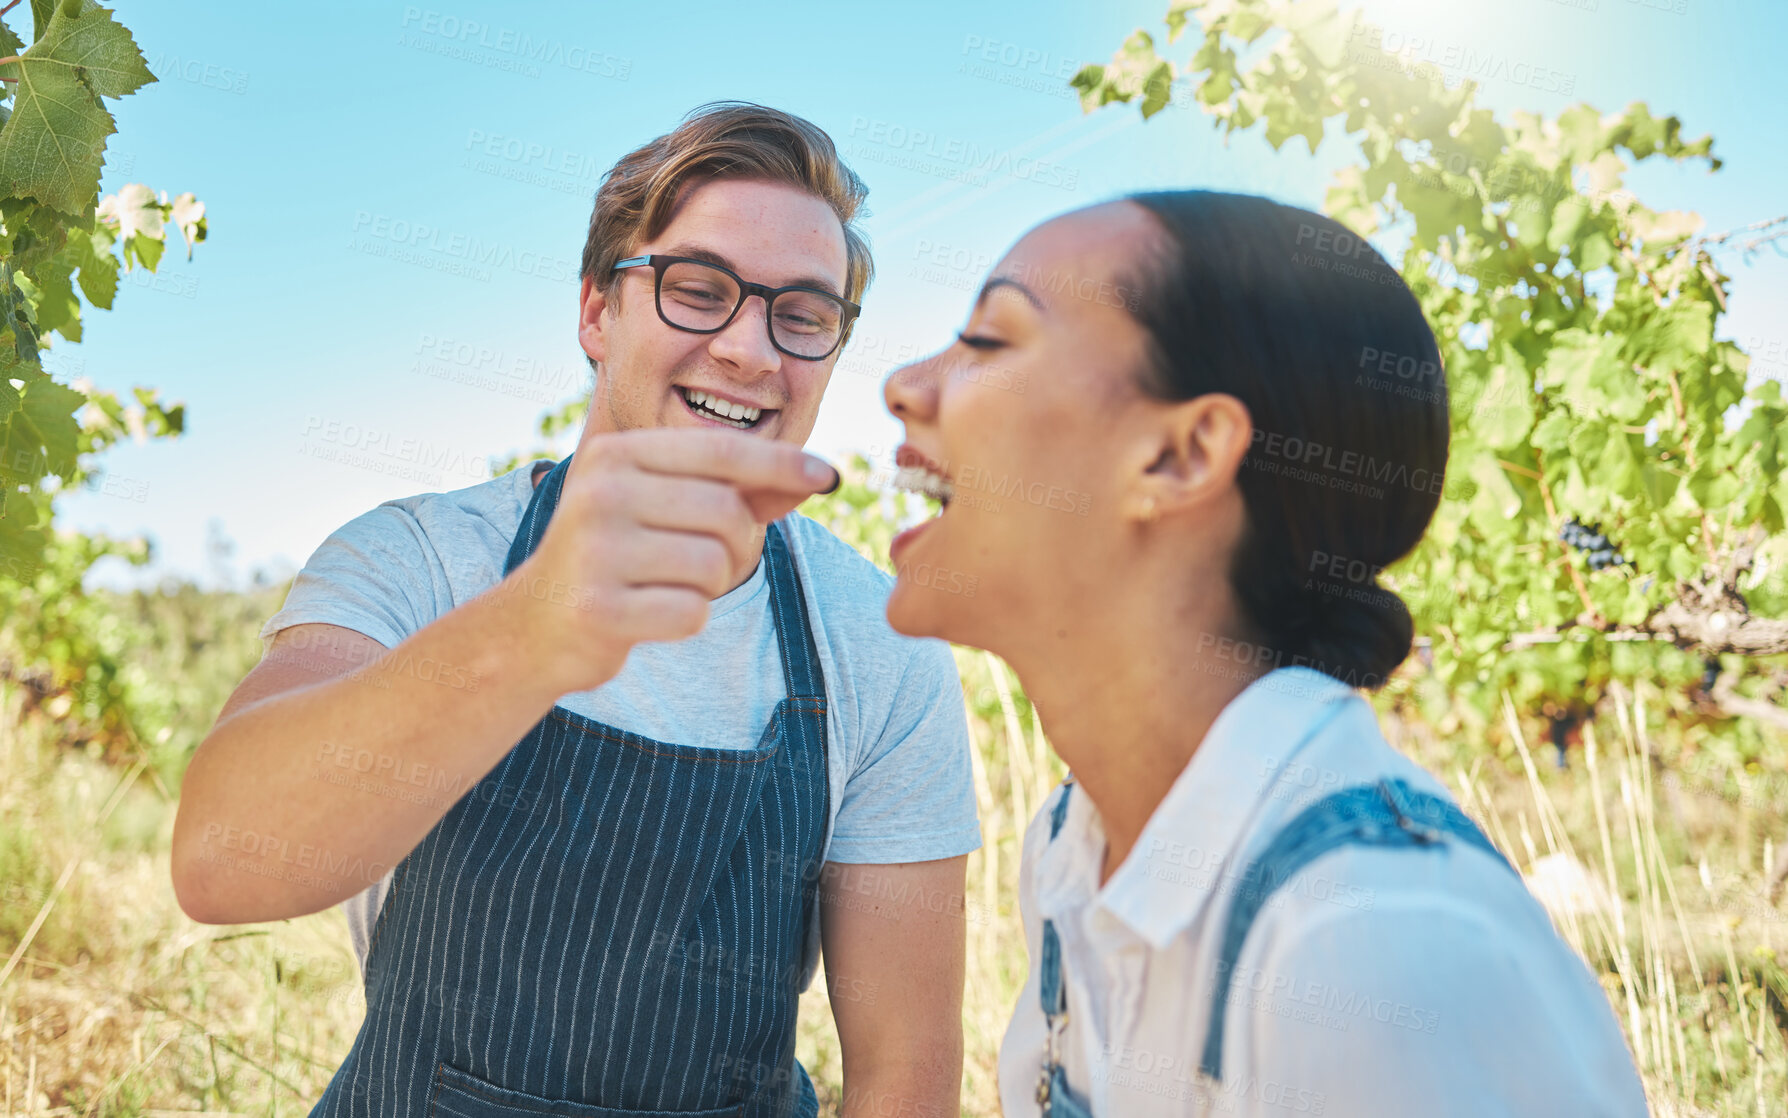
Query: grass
{"type": "Point", "coordinates": [113, 1003]}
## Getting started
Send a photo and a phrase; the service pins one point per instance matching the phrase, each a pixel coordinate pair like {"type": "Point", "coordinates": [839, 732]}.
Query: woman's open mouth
{"type": "Point", "coordinates": [740, 417]}
{"type": "Point", "coordinates": [924, 479]}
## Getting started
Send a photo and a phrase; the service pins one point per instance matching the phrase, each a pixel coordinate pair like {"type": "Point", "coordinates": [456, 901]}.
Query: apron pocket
{"type": "Point", "coordinates": [458, 1094]}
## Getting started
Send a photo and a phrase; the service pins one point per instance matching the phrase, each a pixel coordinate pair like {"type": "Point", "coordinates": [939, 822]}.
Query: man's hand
{"type": "Point", "coordinates": [651, 526]}
{"type": "Point", "coordinates": [894, 940]}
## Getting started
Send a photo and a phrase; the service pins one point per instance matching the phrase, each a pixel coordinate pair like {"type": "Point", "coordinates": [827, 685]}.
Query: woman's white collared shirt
{"type": "Point", "coordinates": [1374, 982]}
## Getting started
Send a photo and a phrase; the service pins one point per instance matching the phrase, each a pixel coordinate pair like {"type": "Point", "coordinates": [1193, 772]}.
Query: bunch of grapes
{"type": "Point", "coordinates": [1588, 538]}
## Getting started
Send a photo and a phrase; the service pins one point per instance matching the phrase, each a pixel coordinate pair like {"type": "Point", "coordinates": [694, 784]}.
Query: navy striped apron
{"type": "Point", "coordinates": [612, 926]}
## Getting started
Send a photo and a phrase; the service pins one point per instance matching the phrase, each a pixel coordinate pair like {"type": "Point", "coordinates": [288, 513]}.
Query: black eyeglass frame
{"type": "Point", "coordinates": [658, 262]}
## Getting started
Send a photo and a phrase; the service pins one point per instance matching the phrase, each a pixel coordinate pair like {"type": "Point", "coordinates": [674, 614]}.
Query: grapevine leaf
{"type": "Point", "coordinates": [98, 273]}
{"type": "Point", "coordinates": [97, 48]}
{"type": "Point", "coordinates": [1504, 423]}
{"type": "Point", "coordinates": [50, 408]}
{"type": "Point", "coordinates": [10, 44]}
{"type": "Point", "coordinates": [52, 146]}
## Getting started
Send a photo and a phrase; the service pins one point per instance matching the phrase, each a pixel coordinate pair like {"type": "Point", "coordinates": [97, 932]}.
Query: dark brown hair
{"type": "Point", "coordinates": [1305, 323]}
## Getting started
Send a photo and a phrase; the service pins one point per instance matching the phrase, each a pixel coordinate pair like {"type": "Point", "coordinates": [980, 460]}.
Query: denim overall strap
{"type": "Point", "coordinates": [1387, 814]}
{"type": "Point", "coordinates": [1057, 1099]}
{"type": "Point", "coordinates": [605, 925]}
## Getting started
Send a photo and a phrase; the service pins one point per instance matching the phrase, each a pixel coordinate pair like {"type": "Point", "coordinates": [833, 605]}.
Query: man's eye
{"type": "Point", "coordinates": [693, 294]}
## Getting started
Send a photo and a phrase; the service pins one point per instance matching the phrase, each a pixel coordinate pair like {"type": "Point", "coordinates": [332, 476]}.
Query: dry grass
{"type": "Point", "coordinates": [112, 1002]}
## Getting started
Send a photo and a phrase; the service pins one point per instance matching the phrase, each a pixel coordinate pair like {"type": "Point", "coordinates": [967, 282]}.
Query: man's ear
{"type": "Point", "coordinates": [592, 324]}
{"type": "Point", "coordinates": [1198, 451]}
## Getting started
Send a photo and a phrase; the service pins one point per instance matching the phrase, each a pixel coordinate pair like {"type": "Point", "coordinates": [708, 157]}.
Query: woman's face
{"type": "Point", "coordinates": [1034, 418]}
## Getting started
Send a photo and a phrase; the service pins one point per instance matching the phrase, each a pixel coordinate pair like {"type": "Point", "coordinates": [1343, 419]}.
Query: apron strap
{"type": "Point", "coordinates": [794, 636]}
{"type": "Point", "coordinates": [539, 511]}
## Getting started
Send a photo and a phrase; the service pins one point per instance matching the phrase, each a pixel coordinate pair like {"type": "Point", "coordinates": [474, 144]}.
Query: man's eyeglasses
{"type": "Point", "coordinates": [702, 298]}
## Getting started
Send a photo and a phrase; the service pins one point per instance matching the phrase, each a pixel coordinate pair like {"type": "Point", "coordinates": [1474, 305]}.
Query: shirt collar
{"type": "Point", "coordinates": [1185, 853]}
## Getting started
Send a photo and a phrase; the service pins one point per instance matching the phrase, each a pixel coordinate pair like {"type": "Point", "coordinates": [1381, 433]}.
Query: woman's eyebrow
{"type": "Point", "coordinates": [998, 282]}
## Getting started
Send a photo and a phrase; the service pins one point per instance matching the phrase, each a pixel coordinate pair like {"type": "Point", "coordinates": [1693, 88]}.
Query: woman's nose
{"type": "Point", "coordinates": [911, 391]}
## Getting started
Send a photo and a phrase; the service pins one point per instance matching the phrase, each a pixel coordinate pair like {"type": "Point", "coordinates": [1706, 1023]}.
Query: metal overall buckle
{"type": "Point", "coordinates": [1421, 832]}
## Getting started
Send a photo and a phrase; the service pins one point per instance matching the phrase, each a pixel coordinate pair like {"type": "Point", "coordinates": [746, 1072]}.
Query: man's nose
{"type": "Point", "coordinates": [745, 341]}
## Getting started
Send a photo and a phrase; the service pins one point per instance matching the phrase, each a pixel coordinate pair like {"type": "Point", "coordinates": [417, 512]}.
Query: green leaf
{"type": "Point", "coordinates": [1618, 468]}
{"type": "Point", "coordinates": [1553, 435]}
{"type": "Point", "coordinates": [1506, 411]}
{"type": "Point", "coordinates": [98, 273]}
{"type": "Point", "coordinates": [98, 48]}
{"type": "Point", "coordinates": [9, 401]}
{"type": "Point", "coordinates": [52, 146]}
{"type": "Point", "coordinates": [50, 408]}
{"type": "Point", "coordinates": [1176, 18]}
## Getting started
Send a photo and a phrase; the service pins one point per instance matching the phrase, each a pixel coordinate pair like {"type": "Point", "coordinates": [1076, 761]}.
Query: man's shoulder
{"type": "Point", "coordinates": [497, 502]}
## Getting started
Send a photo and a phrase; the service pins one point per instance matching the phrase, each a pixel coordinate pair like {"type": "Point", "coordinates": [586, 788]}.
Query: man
{"type": "Point", "coordinates": [595, 754]}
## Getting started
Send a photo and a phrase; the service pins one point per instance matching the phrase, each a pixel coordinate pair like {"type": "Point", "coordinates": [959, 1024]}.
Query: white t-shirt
{"type": "Point", "coordinates": [897, 735]}
{"type": "Point", "coordinates": [1374, 982]}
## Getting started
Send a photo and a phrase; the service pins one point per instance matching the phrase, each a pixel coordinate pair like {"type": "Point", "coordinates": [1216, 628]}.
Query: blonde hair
{"type": "Point", "coordinates": [722, 140]}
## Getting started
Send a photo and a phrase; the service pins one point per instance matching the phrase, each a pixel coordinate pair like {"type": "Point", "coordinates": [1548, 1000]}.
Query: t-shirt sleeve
{"type": "Point", "coordinates": [911, 797]}
{"type": "Point", "coordinates": [371, 575]}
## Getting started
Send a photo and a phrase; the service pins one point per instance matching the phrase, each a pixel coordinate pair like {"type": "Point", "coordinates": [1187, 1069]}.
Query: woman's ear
{"type": "Point", "coordinates": [592, 328]}
{"type": "Point", "coordinates": [1202, 442]}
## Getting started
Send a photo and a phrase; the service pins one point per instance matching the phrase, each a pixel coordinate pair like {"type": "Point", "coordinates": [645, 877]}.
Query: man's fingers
{"type": "Point", "coordinates": [766, 505]}
{"type": "Point", "coordinates": [659, 613]}
{"type": "Point", "coordinates": [744, 461]}
{"type": "Point", "coordinates": [685, 504]}
{"type": "Point", "coordinates": [653, 558]}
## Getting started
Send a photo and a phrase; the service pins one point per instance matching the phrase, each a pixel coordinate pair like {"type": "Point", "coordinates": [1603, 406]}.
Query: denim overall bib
{"type": "Point", "coordinates": [1388, 814]}
{"type": "Point", "coordinates": [616, 929]}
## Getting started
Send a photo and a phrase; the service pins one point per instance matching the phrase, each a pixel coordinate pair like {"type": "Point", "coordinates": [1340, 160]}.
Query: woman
{"type": "Point", "coordinates": [1174, 458]}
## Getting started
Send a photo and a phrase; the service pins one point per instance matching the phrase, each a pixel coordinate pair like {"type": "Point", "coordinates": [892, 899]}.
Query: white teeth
{"type": "Point", "coordinates": [740, 414]}
{"type": "Point", "coordinates": [919, 479]}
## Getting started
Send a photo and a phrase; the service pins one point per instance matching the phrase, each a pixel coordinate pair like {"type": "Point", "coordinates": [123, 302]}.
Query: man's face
{"type": "Point", "coordinates": [766, 232]}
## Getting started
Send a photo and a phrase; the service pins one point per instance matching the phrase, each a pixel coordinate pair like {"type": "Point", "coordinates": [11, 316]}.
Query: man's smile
{"type": "Point", "coordinates": [716, 408]}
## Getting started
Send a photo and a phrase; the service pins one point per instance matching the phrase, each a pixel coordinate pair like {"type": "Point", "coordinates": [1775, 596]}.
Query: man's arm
{"type": "Point", "coordinates": [894, 941]}
{"type": "Point", "coordinates": [335, 756]}
{"type": "Point", "coordinates": [305, 791]}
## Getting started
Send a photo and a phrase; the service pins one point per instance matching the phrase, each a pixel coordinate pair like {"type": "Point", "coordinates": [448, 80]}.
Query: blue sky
{"type": "Point", "coordinates": [398, 195]}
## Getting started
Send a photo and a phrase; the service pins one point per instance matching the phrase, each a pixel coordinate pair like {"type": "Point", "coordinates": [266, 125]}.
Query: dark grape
{"type": "Point", "coordinates": [1598, 550]}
